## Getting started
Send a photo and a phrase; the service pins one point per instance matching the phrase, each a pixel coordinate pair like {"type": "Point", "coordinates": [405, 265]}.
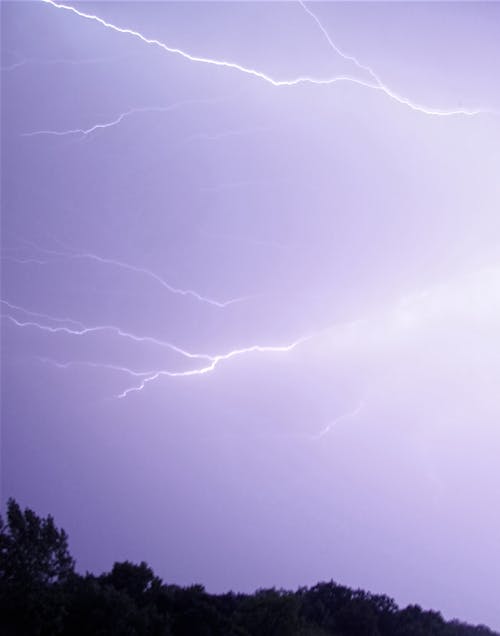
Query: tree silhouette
{"type": "Point", "coordinates": [35, 564]}
{"type": "Point", "coordinates": [33, 552]}
{"type": "Point", "coordinates": [41, 595]}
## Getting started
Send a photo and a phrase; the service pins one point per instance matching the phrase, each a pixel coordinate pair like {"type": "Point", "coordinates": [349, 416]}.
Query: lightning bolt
{"type": "Point", "coordinates": [345, 56]}
{"type": "Point", "coordinates": [379, 326]}
{"type": "Point", "coordinates": [121, 117]}
{"type": "Point", "coordinates": [83, 331]}
{"type": "Point", "coordinates": [376, 84]}
{"type": "Point", "coordinates": [90, 256]}
{"type": "Point", "coordinates": [211, 361]}
{"type": "Point", "coordinates": [36, 314]}
{"type": "Point", "coordinates": [215, 361]}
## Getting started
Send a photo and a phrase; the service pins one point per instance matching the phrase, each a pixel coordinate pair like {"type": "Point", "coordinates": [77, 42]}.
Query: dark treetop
{"type": "Point", "coordinates": [42, 595]}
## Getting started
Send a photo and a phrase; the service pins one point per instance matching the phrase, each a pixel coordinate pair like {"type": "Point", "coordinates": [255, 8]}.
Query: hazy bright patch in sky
{"type": "Point", "coordinates": [251, 290]}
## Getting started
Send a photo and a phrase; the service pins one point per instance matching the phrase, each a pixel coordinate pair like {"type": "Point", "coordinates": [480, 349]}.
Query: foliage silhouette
{"type": "Point", "coordinates": [42, 595]}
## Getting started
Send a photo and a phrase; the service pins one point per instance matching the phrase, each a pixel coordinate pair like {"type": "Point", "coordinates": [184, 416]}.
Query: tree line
{"type": "Point", "coordinates": [41, 594]}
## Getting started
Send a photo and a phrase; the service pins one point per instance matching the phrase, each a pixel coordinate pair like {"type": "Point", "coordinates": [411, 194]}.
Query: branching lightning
{"type": "Point", "coordinates": [83, 331]}
{"type": "Point", "coordinates": [211, 361]}
{"type": "Point", "coordinates": [375, 84]}
{"type": "Point", "coordinates": [37, 314]}
{"type": "Point", "coordinates": [378, 84]}
{"type": "Point", "coordinates": [119, 119]}
{"type": "Point", "coordinates": [90, 256]}
{"type": "Point", "coordinates": [203, 363]}
{"type": "Point", "coordinates": [215, 361]}
{"type": "Point", "coordinates": [91, 129]}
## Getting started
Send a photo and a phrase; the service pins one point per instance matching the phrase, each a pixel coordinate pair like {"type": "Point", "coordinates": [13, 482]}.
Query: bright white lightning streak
{"type": "Point", "coordinates": [117, 120]}
{"type": "Point", "coordinates": [37, 314]}
{"type": "Point", "coordinates": [213, 360]}
{"type": "Point", "coordinates": [345, 56]}
{"type": "Point", "coordinates": [379, 85]}
{"type": "Point", "coordinates": [138, 270]}
{"type": "Point", "coordinates": [83, 331]}
{"type": "Point", "coordinates": [162, 282]}
{"type": "Point", "coordinates": [263, 76]}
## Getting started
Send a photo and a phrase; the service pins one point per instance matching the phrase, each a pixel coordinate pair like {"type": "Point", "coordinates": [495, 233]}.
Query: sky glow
{"type": "Point", "coordinates": [251, 290]}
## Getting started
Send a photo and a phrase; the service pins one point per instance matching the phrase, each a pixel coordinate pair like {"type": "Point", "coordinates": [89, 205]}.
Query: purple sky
{"type": "Point", "coordinates": [337, 178]}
